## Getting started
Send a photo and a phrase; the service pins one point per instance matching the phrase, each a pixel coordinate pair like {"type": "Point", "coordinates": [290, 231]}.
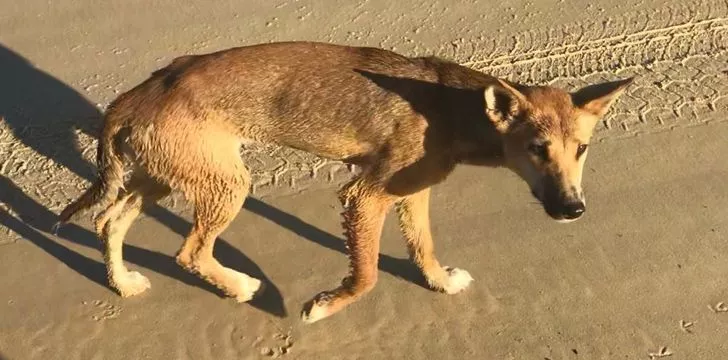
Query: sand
{"type": "Point", "coordinates": [642, 275]}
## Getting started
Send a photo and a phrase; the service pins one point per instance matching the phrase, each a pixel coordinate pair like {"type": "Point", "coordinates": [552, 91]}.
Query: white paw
{"type": "Point", "coordinates": [318, 308]}
{"type": "Point", "coordinates": [458, 280]}
{"type": "Point", "coordinates": [247, 287]}
{"type": "Point", "coordinates": [130, 283]}
{"type": "Point", "coordinates": [314, 314]}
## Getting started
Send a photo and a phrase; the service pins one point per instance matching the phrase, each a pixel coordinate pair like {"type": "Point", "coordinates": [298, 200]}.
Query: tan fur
{"type": "Point", "coordinates": [405, 121]}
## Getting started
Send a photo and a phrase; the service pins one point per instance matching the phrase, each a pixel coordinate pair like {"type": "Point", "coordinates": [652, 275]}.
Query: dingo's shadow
{"type": "Point", "coordinates": [401, 268]}
{"type": "Point", "coordinates": [42, 112]}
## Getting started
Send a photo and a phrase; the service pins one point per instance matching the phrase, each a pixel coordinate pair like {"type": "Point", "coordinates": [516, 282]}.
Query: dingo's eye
{"type": "Point", "coordinates": [541, 150]}
{"type": "Point", "coordinates": [581, 150]}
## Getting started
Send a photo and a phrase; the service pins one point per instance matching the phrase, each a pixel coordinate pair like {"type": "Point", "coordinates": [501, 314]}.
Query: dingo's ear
{"type": "Point", "coordinates": [596, 99]}
{"type": "Point", "coordinates": [502, 103]}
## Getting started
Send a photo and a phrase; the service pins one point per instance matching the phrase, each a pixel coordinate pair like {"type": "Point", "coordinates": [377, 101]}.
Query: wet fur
{"type": "Point", "coordinates": [406, 122]}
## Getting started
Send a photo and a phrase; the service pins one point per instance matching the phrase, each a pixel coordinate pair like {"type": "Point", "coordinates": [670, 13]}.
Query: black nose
{"type": "Point", "coordinates": [574, 210]}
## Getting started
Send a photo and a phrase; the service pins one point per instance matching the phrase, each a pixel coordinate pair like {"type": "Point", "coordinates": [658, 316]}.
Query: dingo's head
{"type": "Point", "coordinates": [546, 133]}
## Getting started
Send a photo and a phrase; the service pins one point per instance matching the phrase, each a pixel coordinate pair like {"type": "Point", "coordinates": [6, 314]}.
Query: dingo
{"type": "Point", "coordinates": [405, 122]}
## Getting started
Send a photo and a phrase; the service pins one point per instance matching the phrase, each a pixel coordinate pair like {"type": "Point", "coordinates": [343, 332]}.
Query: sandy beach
{"type": "Point", "coordinates": [643, 275]}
